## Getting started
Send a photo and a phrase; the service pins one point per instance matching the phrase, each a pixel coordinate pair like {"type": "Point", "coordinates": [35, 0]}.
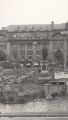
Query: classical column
{"type": "Point", "coordinates": [65, 53]}
{"type": "Point", "coordinates": [17, 49]}
{"type": "Point", "coordinates": [34, 51]}
{"type": "Point", "coordinates": [8, 51]}
{"type": "Point", "coordinates": [41, 51]}
{"type": "Point", "coordinates": [50, 50]}
{"type": "Point", "coordinates": [26, 51]}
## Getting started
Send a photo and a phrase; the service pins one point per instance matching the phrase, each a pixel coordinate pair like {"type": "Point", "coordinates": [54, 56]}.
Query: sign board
{"type": "Point", "coordinates": [59, 75]}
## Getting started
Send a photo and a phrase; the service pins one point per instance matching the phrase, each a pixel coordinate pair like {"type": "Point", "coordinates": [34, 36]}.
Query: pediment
{"type": "Point", "coordinates": [3, 37]}
{"type": "Point", "coordinates": [57, 35]}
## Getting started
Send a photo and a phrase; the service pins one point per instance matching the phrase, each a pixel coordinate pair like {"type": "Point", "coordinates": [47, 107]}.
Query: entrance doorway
{"type": "Point", "coordinates": [44, 53]}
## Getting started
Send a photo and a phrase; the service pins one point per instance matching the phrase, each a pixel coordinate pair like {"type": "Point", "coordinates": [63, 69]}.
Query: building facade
{"type": "Point", "coordinates": [36, 43]}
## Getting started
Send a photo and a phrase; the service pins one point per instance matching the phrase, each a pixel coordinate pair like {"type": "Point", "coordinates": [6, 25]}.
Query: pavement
{"type": "Point", "coordinates": [33, 118]}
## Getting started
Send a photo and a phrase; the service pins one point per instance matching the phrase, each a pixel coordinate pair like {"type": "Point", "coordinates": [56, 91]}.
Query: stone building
{"type": "Point", "coordinates": [36, 43]}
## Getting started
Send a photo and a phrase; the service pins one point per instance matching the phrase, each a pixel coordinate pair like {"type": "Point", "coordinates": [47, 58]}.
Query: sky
{"type": "Point", "coordinates": [13, 12]}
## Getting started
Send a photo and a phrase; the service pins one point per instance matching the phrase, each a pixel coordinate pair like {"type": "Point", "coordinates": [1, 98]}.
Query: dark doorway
{"type": "Point", "coordinates": [2, 56]}
{"type": "Point", "coordinates": [44, 53]}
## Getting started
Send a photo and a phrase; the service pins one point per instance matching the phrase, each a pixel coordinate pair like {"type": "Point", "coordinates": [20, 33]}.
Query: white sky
{"type": "Point", "coordinates": [33, 11]}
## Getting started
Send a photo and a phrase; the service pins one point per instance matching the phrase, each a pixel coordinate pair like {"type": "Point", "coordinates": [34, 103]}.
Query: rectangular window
{"type": "Point", "coordinates": [44, 67]}
{"type": "Point", "coordinates": [29, 46]}
{"type": "Point", "coordinates": [22, 46]}
{"type": "Point", "coordinates": [22, 55]}
{"type": "Point", "coordinates": [5, 46]}
{"type": "Point", "coordinates": [1, 46]}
